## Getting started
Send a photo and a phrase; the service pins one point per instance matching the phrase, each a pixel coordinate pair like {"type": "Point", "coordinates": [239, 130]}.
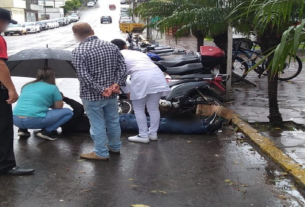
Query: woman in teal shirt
{"type": "Point", "coordinates": [33, 107]}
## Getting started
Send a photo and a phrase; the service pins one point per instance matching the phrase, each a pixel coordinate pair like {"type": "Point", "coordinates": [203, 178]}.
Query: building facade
{"type": "Point", "coordinates": [52, 3]}
{"type": "Point", "coordinates": [22, 10]}
{"type": "Point", "coordinates": [31, 10]}
{"type": "Point", "coordinates": [16, 7]}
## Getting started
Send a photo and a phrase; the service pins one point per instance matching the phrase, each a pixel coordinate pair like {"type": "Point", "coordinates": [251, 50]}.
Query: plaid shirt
{"type": "Point", "coordinates": [98, 65]}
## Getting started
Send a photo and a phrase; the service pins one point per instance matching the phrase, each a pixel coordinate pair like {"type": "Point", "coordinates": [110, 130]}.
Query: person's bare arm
{"type": "Point", "coordinates": [5, 79]}
{"type": "Point", "coordinates": [58, 105]}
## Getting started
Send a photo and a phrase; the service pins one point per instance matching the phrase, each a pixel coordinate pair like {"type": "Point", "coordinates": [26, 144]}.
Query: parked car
{"type": "Point", "coordinates": [126, 21]}
{"type": "Point", "coordinates": [125, 18]}
{"type": "Point", "coordinates": [67, 20]}
{"type": "Point", "coordinates": [32, 27]}
{"type": "Point", "coordinates": [56, 24]}
{"type": "Point", "coordinates": [90, 4]}
{"type": "Point", "coordinates": [112, 7]}
{"type": "Point", "coordinates": [124, 10]}
{"type": "Point", "coordinates": [123, 2]}
{"type": "Point", "coordinates": [124, 15]}
{"type": "Point", "coordinates": [73, 18]}
{"type": "Point", "coordinates": [43, 25]}
{"type": "Point", "coordinates": [15, 29]}
{"type": "Point", "coordinates": [49, 24]}
{"type": "Point", "coordinates": [61, 22]}
{"type": "Point", "coordinates": [76, 13]}
{"type": "Point", "coordinates": [106, 20]}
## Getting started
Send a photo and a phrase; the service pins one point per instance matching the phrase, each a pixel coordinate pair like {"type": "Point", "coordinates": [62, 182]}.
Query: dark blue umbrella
{"type": "Point", "coordinates": [26, 62]}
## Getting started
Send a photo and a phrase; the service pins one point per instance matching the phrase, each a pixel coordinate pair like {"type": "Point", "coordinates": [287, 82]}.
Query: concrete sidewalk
{"type": "Point", "coordinates": [251, 104]}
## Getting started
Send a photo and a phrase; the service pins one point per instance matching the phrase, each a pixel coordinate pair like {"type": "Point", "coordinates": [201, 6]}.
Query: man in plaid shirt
{"type": "Point", "coordinates": [101, 70]}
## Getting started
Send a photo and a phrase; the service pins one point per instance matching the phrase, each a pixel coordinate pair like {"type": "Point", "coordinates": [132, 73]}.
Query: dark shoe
{"type": "Point", "coordinates": [111, 151]}
{"type": "Point", "coordinates": [23, 133]}
{"type": "Point", "coordinates": [213, 128]}
{"type": "Point", "coordinates": [210, 119]}
{"type": "Point", "coordinates": [46, 135]}
{"type": "Point", "coordinates": [17, 171]}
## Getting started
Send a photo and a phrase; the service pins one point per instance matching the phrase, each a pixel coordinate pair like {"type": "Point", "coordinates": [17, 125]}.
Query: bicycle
{"type": "Point", "coordinates": [245, 56]}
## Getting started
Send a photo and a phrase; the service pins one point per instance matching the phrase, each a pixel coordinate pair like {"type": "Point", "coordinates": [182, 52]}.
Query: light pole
{"type": "Point", "coordinates": [45, 10]}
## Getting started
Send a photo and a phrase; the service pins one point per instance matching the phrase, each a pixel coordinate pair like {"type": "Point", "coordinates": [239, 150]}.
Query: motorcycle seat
{"type": "Point", "coordinates": [162, 51]}
{"type": "Point", "coordinates": [180, 62]}
{"type": "Point", "coordinates": [174, 83]}
{"type": "Point", "coordinates": [194, 76]}
{"type": "Point", "coordinates": [184, 69]}
{"type": "Point", "coordinates": [162, 48]}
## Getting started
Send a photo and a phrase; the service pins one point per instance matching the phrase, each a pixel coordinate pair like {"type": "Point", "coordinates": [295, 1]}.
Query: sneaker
{"type": "Point", "coordinates": [93, 156]}
{"type": "Point", "coordinates": [153, 137]}
{"type": "Point", "coordinates": [46, 135]}
{"type": "Point", "coordinates": [213, 128]}
{"type": "Point", "coordinates": [210, 119]}
{"type": "Point", "coordinates": [23, 133]}
{"type": "Point", "coordinates": [137, 138]}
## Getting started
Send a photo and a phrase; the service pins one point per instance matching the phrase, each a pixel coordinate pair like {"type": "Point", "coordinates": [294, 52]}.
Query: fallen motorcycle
{"type": "Point", "coordinates": [186, 93]}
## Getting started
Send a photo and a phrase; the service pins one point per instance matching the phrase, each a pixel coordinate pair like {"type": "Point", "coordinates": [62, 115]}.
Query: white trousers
{"type": "Point", "coordinates": [151, 101]}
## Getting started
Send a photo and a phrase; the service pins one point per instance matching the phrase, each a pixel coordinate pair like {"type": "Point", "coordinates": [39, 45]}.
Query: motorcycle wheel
{"type": "Point", "coordinates": [125, 107]}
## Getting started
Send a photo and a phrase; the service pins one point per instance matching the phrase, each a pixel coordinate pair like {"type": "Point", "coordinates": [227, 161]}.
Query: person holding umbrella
{"type": "Point", "coordinates": [8, 96]}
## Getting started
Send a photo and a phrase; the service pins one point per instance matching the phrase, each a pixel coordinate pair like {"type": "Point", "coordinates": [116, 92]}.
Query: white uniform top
{"type": "Point", "coordinates": [146, 77]}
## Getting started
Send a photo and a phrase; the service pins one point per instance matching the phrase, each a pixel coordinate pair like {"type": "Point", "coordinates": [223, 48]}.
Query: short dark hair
{"type": "Point", "coordinates": [120, 43]}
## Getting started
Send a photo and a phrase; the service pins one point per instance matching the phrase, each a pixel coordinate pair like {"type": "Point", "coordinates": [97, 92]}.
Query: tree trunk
{"type": "Point", "coordinates": [267, 42]}
{"type": "Point", "coordinates": [221, 41]}
{"type": "Point", "coordinates": [200, 42]}
{"type": "Point", "coordinates": [275, 116]}
{"type": "Point", "coordinates": [200, 38]}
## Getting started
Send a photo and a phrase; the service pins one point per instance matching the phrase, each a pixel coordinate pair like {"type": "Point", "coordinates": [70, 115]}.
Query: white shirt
{"type": "Point", "coordinates": [136, 60]}
{"type": "Point", "coordinates": [146, 76]}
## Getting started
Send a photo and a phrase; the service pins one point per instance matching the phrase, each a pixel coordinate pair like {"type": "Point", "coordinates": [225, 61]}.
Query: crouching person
{"type": "Point", "coordinates": [33, 107]}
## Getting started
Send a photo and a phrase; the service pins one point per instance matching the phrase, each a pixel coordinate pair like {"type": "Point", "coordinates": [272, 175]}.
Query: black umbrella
{"type": "Point", "coordinates": [27, 62]}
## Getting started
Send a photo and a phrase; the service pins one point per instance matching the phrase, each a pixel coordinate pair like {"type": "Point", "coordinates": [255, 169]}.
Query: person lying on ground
{"type": "Point", "coordinates": [146, 88]}
{"type": "Point", "coordinates": [32, 109]}
{"type": "Point", "coordinates": [79, 123]}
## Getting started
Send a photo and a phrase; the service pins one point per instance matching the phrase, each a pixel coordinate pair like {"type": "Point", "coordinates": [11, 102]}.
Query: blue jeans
{"type": "Point", "coordinates": [54, 119]}
{"type": "Point", "coordinates": [105, 127]}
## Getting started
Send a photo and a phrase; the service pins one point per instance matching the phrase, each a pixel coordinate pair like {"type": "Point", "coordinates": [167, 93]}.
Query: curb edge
{"type": "Point", "coordinates": [267, 147]}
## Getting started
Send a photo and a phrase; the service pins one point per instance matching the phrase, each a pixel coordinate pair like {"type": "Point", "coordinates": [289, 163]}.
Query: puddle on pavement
{"type": "Point", "coordinates": [290, 138]}
{"type": "Point", "coordinates": [282, 186]}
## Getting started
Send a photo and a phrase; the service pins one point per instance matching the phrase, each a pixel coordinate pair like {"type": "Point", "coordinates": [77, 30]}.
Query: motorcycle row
{"type": "Point", "coordinates": [193, 77]}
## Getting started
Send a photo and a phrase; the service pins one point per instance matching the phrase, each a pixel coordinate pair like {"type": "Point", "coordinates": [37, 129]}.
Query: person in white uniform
{"type": "Point", "coordinates": [146, 87]}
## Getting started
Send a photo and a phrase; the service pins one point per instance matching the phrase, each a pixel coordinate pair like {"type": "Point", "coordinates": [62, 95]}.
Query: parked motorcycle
{"type": "Point", "coordinates": [210, 58]}
{"type": "Point", "coordinates": [190, 90]}
{"type": "Point", "coordinates": [186, 93]}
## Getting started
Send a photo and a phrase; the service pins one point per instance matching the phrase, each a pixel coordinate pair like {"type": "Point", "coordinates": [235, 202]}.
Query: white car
{"type": "Point", "coordinates": [90, 4]}
{"type": "Point", "coordinates": [73, 18]}
{"type": "Point", "coordinates": [56, 24]}
{"type": "Point", "coordinates": [15, 29]}
{"type": "Point", "coordinates": [32, 27]}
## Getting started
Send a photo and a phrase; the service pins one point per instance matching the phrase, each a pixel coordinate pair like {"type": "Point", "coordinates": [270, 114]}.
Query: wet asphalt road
{"type": "Point", "coordinates": [63, 38]}
{"type": "Point", "coordinates": [176, 171]}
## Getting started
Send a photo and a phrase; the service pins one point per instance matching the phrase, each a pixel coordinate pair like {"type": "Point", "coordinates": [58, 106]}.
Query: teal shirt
{"type": "Point", "coordinates": [36, 99]}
